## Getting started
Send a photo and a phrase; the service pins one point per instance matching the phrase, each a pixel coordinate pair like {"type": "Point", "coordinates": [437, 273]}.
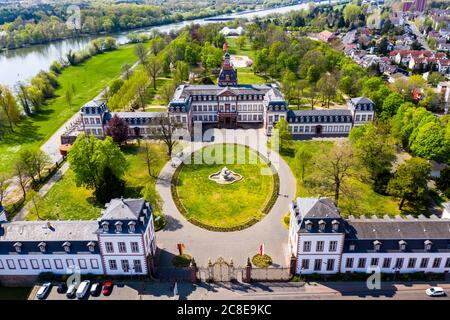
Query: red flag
{"type": "Point", "coordinates": [261, 250]}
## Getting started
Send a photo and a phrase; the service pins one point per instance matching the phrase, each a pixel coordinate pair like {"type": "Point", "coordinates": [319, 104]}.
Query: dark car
{"type": "Point", "coordinates": [62, 288]}
{"type": "Point", "coordinates": [107, 288]}
{"type": "Point", "coordinates": [95, 289]}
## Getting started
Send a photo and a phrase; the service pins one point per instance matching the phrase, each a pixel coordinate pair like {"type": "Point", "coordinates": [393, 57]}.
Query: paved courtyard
{"type": "Point", "coordinates": [203, 244]}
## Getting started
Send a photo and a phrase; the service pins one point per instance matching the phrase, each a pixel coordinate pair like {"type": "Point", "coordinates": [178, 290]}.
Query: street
{"type": "Point", "coordinates": [262, 291]}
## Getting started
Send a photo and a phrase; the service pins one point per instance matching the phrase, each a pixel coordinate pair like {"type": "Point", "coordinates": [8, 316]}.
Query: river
{"type": "Point", "coordinates": [22, 64]}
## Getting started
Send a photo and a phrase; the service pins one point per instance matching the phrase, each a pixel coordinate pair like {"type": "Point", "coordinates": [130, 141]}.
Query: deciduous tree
{"type": "Point", "coordinates": [117, 129]}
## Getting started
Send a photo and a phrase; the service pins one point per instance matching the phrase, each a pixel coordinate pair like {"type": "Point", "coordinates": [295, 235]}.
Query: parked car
{"type": "Point", "coordinates": [107, 288]}
{"type": "Point", "coordinates": [43, 290]}
{"type": "Point", "coordinates": [62, 288]}
{"type": "Point", "coordinates": [95, 289]}
{"type": "Point", "coordinates": [83, 289]}
{"type": "Point", "coordinates": [71, 291]}
{"type": "Point", "coordinates": [435, 292]}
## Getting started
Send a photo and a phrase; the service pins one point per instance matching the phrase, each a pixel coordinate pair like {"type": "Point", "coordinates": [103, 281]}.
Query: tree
{"type": "Point", "coordinates": [313, 74]}
{"type": "Point", "coordinates": [312, 96]}
{"type": "Point", "coordinates": [69, 97]}
{"type": "Point", "coordinates": [8, 107]}
{"type": "Point", "coordinates": [117, 129]}
{"type": "Point", "coordinates": [153, 68]}
{"type": "Point", "coordinates": [443, 183]}
{"type": "Point", "coordinates": [390, 105]}
{"type": "Point", "coordinates": [375, 151]}
{"type": "Point", "coordinates": [19, 172]}
{"type": "Point", "coordinates": [126, 71]}
{"type": "Point", "coordinates": [284, 134]}
{"type": "Point", "coordinates": [141, 53]}
{"type": "Point", "coordinates": [298, 90]}
{"type": "Point", "coordinates": [334, 168]}
{"type": "Point", "coordinates": [410, 181]}
{"type": "Point", "coordinates": [24, 98]}
{"type": "Point", "coordinates": [351, 13]}
{"type": "Point", "coordinates": [110, 186]}
{"type": "Point", "coordinates": [89, 157]}
{"type": "Point", "coordinates": [303, 156]}
{"type": "Point", "coordinates": [115, 86]}
{"type": "Point", "coordinates": [150, 159]}
{"type": "Point", "coordinates": [434, 78]}
{"type": "Point", "coordinates": [167, 127]}
{"type": "Point", "coordinates": [33, 161]}
{"type": "Point", "coordinates": [3, 187]}
{"type": "Point", "coordinates": [430, 142]}
{"type": "Point", "coordinates": [327, 86]}
{"type": "Point", "coordinates": [288, 83]}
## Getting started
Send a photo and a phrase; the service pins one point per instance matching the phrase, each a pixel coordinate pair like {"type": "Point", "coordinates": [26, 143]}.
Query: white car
{"type": "Point", "coordinates": [83, 289]}
{"type": "Point", "coordinates": [435, 292]}
{"type": "Point", "coordinates": [42, 292]}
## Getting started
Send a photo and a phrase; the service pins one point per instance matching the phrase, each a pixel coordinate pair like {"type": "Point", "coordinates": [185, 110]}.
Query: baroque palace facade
{"type": "Point", "coordinates": [229, 104]}
{"type": "Point", "coordinates": [121, 242]}
{"type": "Point", "coordinates": [323, 242]}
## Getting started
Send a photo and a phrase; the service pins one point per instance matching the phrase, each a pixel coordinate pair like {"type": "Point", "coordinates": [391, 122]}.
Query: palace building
{"type": "Point", "coordinates": [228, 104]}
{"type": "Point", "coordinates": [121, 242]}
{"type": "Point", "coordinates": [323, 242]}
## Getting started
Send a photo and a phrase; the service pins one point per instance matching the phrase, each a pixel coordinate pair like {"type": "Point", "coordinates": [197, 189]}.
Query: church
{"type": "Point", "coordinates": [229, 104]}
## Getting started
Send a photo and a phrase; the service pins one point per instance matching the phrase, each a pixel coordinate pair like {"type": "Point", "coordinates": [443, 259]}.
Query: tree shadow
{"type": "Point", "coordinates": [172, 224]}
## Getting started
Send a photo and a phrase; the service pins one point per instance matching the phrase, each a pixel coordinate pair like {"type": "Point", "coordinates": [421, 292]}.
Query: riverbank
{"type": "Point", "coordinates": [89, 78]}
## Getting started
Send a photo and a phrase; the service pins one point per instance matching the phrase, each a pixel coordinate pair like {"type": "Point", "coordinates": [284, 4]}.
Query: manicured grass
{"type": "Point", "coordinates": [245, 51]}
{"type": "Point", "coordinates": [89, 79]}
{"type": "Point", "coordinates": [153, 97]}
{"type": "Point", "coordinates": [263, 261]}
{"type": "Point", "coordinates": [224, 205]}
{"type": "Point", "coordinates": [364, 201]}
{"type": "Point", "coordinates": [67, 201]}
{"type": "Point", "coordinates": [250, 78]}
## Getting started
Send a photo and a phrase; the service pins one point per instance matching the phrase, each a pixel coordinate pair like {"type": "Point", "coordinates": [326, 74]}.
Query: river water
{"type": "Point", "coordinates": [21, 64]}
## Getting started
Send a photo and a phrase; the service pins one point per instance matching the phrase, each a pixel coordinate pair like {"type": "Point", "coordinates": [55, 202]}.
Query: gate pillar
{"type": "Point", "coordinates": [248, 272]}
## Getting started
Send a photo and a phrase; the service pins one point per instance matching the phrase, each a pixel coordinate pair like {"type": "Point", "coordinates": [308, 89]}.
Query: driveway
{"type": "Point", "coordinates": [239, 245]}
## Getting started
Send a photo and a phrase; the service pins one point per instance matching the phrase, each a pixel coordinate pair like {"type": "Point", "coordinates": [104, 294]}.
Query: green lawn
{"type": "Point", "coordinates": [219, 205]}
{"type": "Point", "coordinates": [364, 201]}
{"type": "Point", "coordinates": [153, 97]}
{"type": "Point", "coordinates": [245, 51]}
{"type": "Point", "coordinates": [89, 79]}
{"type": "Point", "coordinates": [67, 201]}
{"type": "Point", "coordinates": [250, 78]}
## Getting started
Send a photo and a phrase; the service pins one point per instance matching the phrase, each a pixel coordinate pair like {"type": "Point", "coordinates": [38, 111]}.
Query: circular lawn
{"type": "Point", "coordinates": [224, 207]}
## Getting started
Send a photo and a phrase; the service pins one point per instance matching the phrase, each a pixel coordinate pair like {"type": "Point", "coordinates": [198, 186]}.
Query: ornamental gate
{"type": "Point", "coordinates": [220, 271]}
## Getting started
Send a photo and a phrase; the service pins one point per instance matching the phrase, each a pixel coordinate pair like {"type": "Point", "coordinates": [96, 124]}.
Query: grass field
{"type": "Point", "coordinates": [364, 200]}
{"type": "Point", "coordinates": [67, 201]}
{"type": "Point", "coordinates": [245, 51]}
{"type": "Point", "coordinates": [89, 79]}
{"type": "Point", "coordinates": [224, 205]}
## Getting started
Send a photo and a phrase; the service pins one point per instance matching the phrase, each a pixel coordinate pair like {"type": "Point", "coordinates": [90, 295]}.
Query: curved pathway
{"type": "Point", "coordinates": [238, 245]}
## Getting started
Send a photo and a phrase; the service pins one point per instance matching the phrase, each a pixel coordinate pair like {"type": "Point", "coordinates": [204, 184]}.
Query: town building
{"type": "Point", "coordinates": [121, 242]}
{"type": "Point", "coordinates": [322, 241]}
{"type": "Point", "coordinates": [226, 104]}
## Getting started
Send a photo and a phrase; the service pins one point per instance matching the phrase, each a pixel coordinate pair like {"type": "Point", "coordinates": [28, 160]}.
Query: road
{"type": "Point", "coordinates": [419, 36]}
{"type": "Point", "coordinates": [263, 291]}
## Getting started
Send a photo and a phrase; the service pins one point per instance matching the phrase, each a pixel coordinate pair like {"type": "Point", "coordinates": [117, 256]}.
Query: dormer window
{"type": "Point", "coordinates": [335, 225]}
{"type": "Point", "coordinates": [376, 245]}
{"type": "Point", "coordinates": [18, 246]}
{"type": "Point", "coordinates": [105, 226]}
{"type": "Point", "coordinates": [322, 225]}
{"type": "Point", "coordinates": [66, 246]}
{"type": "Point", "coordinates": [428, 245]}
{"type": "Point", "coordinates": [351, 247]}
{"type": "Point", "coordinates": [402, 244]}
{"type": "Point", "coordinates": [91, 246]}
{"type": "Point", "coordinates": [118, 225]}
{"type": "Point", "coordinates": [42, 246]}
{"type": "Point", "coordinates": [132, 226]}
{"type": "Point", "coordinates": [308, 225]}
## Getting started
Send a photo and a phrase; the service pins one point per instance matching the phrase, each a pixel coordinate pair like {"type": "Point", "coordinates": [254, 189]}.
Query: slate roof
{"type": "Point", "coordinates": [320, 116]}
{"type": "Point", "coordinates": [123, 209]}
{"type": "Point", "coordinates": [49, 231]}
{"type": "Point", "coordinates": [360, 100]}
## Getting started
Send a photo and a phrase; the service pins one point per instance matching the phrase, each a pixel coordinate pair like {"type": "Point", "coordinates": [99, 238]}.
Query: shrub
{"type": "Point", "coordinates": [182, 261]}
{"type": "Point", "coordinates": [261, 261]}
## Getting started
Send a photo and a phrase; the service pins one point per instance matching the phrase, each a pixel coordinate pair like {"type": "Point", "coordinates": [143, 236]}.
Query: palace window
{"type": "Point", "coordinates": [118, 225]}
{"type": "Point", "coordinates": [351, 247]}
{"type": "Point", "coordinates": [307, 246]}
{"type": "Point", "coordinates": [447, 263]}
{"type": "Point", "coordinates": [305, 264]}
{"type": "Point", "coordinates": [34, 264]}
{"type": "Point", "coordinates": [112, 265]}
{"type": "Point", "coordinates": [349, 263]}
{"type": "Point", "coordinates": [122, 247]}
{"type": "Point", "coordinates": [387, 263]}
{"type": "Point", "coordinates": [10, 263]}
{"type": "Point", "coordinates": [402, 245]}
{"type": "Point", "coordinates": [330, 264]}
{"type": "Point", "coordinates": [412, 263]}
{"type": "Point", "coordinates": [82, 263]}
{"type": "Point", "coordinates": [437, 262]}
{"type": "Point", "coordinates": [42, 246]}
{"type": "Point", "coordinates": [335, 225]}
{"type": "Point", "coordinates": [18, 246]}
{"type": "Point", "coordinates": [322, 225]}
{"type": "Point", "coordinates": [317, 264]}
{"type": "Point", "coordinates": [428, 245]}
{"type": "Point", "coordinates": [308, 225]}
{"type": "Point", "coordinates": [58, 263]}
{"type": "Point", "coordinates": [376, 245]}
{"type": "Point", "coordinates": [333, 246]}
{"type": "Point", "coordinates": [319, 246]}
{"type": "Point", "coordinates": [362, 263]}
{"type": "Point", "coordinates": [125, 265]}
{"type": "Point", "coordinates": [23, 264]}
{"type": "Point", "coordinates": [424, 263]}
{"type": "Point", "coordinates": [374, 262]}
{"type": "Point", "coordinates": [66, 246]}
{"type": "Point", "coordinates": [131, 226]}
{"type": "Point", "coordinates": [137, 266]}
{"type": "Point", "coordinates": [109, 247]}
{"type": "Point", "coordinates": [46, 264]}
{"type": "Point", "coordinates": [399, 263]}
{"type": "Point", "coordinates": [94, 264]}
{"type": "Point", "coordinates": [105, 226]}
{"type": "Point", "coordinates": [91, 246]}
{"type": "Point", "coordinates": [134, 247]}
